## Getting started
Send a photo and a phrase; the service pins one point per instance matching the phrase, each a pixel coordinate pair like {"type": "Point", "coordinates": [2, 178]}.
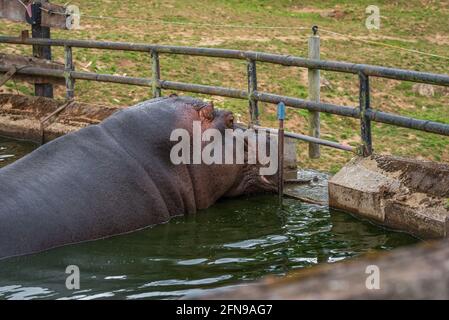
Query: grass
{"type": "Point", "coordinates": [412, 24]}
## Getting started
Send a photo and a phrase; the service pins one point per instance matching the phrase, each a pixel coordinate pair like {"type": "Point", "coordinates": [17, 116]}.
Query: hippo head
{"type": "Point", "coordinates": [228, 165]}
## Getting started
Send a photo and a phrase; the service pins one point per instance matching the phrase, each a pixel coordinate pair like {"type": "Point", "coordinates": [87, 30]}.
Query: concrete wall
{"type": "Point", "coordinates": [409, 195]}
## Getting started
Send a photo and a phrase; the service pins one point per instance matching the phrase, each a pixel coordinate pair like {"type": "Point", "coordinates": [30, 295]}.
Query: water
{"type": "Point", "coordinates": [233, 243]}
{"type": "Point", "coordinates": [11, 150]}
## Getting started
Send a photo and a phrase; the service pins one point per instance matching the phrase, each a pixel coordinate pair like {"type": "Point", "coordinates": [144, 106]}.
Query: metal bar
{"type": "Point", "coordinates": [51, 115]}
{"type": "Point", "coordinates": [281, 117]}
{"type": "Point", "coordinates": [252, 87]}
{"type": "Point", "coordinates": [69, 67]}
{"type": "Point", "coordinates": [352, 112]}
{"type": "Point", "coordinates": [410, 123]}
{"type": "Point", "coordinates": [306, 138]}
{"type": "Point", "coordinates": [8, 75]}
{"type": "Point", "coordinates": [199, 88]}
{"type": "Point", "coordinates": [369, 70]}
{"type": "Point", "coordinates": [110, 78]}
{"type": "Point", "coordinates": [365, 122]}
{"type": "Point", "coordinates": [314, 93]}
{"type": "Point", "coordinates": [57, 111]}
{"type": "Point", "coordinates": [155, 74]}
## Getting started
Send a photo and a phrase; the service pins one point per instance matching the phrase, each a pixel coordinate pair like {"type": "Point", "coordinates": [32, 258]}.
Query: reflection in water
{"type": "Point", "coordinates": [11, 150]}
{"type": "Point", "coordinates": [234, 242]}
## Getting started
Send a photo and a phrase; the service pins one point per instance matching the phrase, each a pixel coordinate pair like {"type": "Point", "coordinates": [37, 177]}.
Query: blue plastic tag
{"type": "Point", "coordinates": [281, 111]}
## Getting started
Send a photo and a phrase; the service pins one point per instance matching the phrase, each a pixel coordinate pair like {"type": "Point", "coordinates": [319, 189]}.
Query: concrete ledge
{"type": "Point", "coordinates": [404, 194]}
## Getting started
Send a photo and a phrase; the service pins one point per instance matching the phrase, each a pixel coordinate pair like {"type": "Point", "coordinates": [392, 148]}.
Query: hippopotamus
{"type": "Point", "coordinates": [115, 177]}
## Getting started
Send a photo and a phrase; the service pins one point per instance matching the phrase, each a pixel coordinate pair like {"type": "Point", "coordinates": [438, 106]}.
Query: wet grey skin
{"type": "Point", "coordinates": [114, 178]}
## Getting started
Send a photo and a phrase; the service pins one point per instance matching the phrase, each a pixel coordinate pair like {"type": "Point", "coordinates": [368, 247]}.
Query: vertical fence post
{"type": "Point", "coordinates": [252, 87]}
{"type": "Point", "coordinates": [365, 122]}
{"type": "Point", "coordinates": [281, 118]}
{"type": "Point", "coordinates": [314, 93]}
{"type": "Point", "coordinates": [69, 67]}
{"type": "Point", "coordinates": [156, 74]}
{"type": "Point", "coordinates": [44, 52]}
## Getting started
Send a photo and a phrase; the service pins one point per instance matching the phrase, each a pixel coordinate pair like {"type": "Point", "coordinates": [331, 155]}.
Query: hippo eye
{"type": "Point", "coordinates": [230, 121]}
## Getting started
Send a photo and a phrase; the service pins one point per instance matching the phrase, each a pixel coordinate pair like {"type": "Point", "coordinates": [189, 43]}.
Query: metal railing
{"type": "Point", "coordinates": [363, 111]}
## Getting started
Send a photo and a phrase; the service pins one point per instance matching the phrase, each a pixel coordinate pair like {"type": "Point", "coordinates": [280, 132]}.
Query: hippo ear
{"type": "Point", "coordinates": [206, 112]}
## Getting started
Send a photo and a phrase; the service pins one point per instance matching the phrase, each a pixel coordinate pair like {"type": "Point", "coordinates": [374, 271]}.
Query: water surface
{"type": "Point", "coordinates": [11, 150]}
{"type": "Point", "coordinates": [232, 243]}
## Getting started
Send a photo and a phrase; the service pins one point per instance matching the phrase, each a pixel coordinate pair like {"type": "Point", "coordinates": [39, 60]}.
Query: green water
{"type": "Point", "coordinates": [233, 243]}
{"type": "Point", "coordinates": [11, 150]}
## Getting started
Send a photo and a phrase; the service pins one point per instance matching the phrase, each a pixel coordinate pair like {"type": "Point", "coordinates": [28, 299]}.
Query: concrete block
{"type": "Point", "coordinates": [404, 194]}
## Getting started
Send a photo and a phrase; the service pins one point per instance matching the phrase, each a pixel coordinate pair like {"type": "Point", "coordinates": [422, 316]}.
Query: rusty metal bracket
{"type": "Point", "coordinates": [51, 115]}
{"type": "Point", "coordinates": [8, 75]}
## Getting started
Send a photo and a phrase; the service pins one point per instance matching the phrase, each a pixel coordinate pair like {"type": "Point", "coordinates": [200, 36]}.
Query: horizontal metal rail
{"type": "Point", "coordinates": [285, 60]}
{"type": "Point", "coordinates": [204, 89]}
{"type": "Point", "coordinates": [306, 138]}
{"type": "Point", "coordinates": [346, 111]}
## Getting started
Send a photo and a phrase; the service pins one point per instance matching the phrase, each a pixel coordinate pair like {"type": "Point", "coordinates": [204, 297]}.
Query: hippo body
{"type": "Point", "coordinates": [112, 178]}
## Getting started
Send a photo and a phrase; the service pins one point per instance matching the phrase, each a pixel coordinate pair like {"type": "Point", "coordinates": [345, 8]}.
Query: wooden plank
{"type": "Point", "coordinates": [53, 15]}
{"type": "Point", "coordinates": [9, 60]}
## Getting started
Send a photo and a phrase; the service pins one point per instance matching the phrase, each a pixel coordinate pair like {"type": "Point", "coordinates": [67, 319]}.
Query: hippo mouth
{"type": "Point", "coordinates": [269, 184]}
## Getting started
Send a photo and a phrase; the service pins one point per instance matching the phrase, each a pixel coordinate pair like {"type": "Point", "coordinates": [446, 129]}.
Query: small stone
{"type": "Point", "coordinates": [334, 13]}
{"type": "Point", "coordinates": [324, 83]}
{"type": "Point", "coordinates": [423, 89]}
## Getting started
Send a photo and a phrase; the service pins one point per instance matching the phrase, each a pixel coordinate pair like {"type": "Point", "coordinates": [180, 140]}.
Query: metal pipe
{"type": "Point", "coordinates": [369, 70]}
{"type": "Point", "coordinates": [365, 122]}
{"type": "Point", "coordinates": [68, 68]}
{"type": "Point", "coordinates": [353, 112]}
{"type": "Point", "coordinates": [252, 87]}
{"type": "Point", "coordinates": [281, 117]}
{"type": "Point", "coordinates": [57, 73]}
{"type": "Point", "coordinates": [306, 138]}
{"type": "Point", "coordinates": [410, 123]}
{"type": "Point", "coordinates": [199, 88]}
{"type": "Point", "coordinates": [155, 74]}
{"type": "Point", "coordinates": [111, 78]}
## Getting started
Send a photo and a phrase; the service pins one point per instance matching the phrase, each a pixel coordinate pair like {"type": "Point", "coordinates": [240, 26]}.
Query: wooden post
{"type": "Point", "coordinates": [44, 52]}
{"type": "Point", "coordinates": [156, 74]}
{"type": "Point", "coordinates": [314, 93]}
{"type": "Point", "coordinates": [69, 67]}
